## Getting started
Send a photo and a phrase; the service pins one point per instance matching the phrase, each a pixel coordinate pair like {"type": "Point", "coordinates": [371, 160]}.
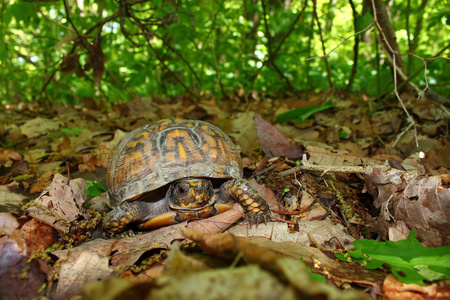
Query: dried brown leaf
{"type": "Point", "coordinates": [62, 200]}
{"type": "Point", "coordinates": [11, 199]}
{"type": "Point", "coordinates": [42, 182]}
{"type": "Point", "coordinates": [327, 156]}
{"type": "Point", "coordinates": [38, 236]}
{"type": "Point", "coordinates": [127, 251]}
{"type": "Point", "coordinates": [7, 155]}
{"type": "Point", "coordinates": [38, 126]}
{"type": "Point", "coordinates": [395, 289]}
{"type": "Point", "coordinates": [85, 263]}
{"type": "Point", "coordinates": [420, 201]}
{"type": "Point", "coordinates": [13, 262]}
{"type": "Point", "coordinates": [273, 142]}
{"type": "Point", "coordinates": [96, 61]}
{"type": "Point", "coordinates": [69, 64]}
{"type": "Point", "coordinates": [273, 257]}
{"type": "Point", "coordinates": [322, 234]}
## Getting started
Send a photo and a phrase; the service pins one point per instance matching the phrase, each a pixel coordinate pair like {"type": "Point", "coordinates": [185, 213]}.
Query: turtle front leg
{"type": "Point", "coordinates": [118, 218]}
{"type": "Point", "coordinates": [255, 207]}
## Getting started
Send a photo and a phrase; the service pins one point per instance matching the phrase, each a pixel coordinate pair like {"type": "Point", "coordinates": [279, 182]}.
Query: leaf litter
{"type": "Point", "coordinates": [321, 187]}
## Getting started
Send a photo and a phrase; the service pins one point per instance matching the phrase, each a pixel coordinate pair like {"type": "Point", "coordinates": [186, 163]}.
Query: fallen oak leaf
{"type": "Point", "coordinates": [273, 142]}
{"type": "Point", "coordinates": [60, 203]}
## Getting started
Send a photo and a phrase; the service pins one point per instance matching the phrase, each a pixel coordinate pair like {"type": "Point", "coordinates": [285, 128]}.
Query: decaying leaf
{"type": "Point", "coordinates": [60, 203]}
{"type": "Point", "coordinates": [9, 199]}
{"type": "Point", "coordinates": [322, 234]}
{"type": "Point", "coordinates": [42, 182]}
{"type": "Point", "coordinates": [13, 263]}
{"type": "Point", "coordinates": [38, 126]}
{"type": "Point", "coordinates": [69, 63]}
{"type": "Point", "coordinates": [101, 155]}
{"type": "Point", "coordinates": [85, 263]}
{"type": "Point", "coordinates": [268, 276]}
{"type": "Point", "coordinates": [327, 156]}
{"type": "Point", "coordinates": [7, 155]}
{"type": "Point", "coordinates": [273, 142]}
{"type": "Point", "coordinates": [38, 236]}
{"type": "Point", "coordinates": [254, 251]}
{"type": "Point", "coordinates": [395, 289]}
{"type": "Point", "coordinates": [420, 201]}
{"type": "Point", "coordinates": [127, 251]}
{"type": "Point", "coordinates": [243, 132]}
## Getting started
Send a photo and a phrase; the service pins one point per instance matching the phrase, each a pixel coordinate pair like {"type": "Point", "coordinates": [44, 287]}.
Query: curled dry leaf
{"type": "Point", "coordinates": [60, 203]}
{"type": "Point", "coordinates": [7, 155]}
{"type": "Point", "coordinates": [273, 142]}
{"type": "Point", "coordinates": [420, 201]}
{"type": "Point", "coordinates": [395, 289]}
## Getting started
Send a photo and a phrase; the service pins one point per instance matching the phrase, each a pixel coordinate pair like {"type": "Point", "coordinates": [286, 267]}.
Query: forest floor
{"type": "Point", "coordinates": [335, 173]}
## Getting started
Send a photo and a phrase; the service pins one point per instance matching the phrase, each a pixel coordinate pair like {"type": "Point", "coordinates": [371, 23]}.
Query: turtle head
{"type": "Point", "coordinates": [190, 194]}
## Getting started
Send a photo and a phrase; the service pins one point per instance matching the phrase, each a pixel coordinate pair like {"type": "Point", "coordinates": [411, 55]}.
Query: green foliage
{"type": "Point", "coordinates": [314, 276]}
{"type": "Point", "coordinates": [302, 113]}
{"type": "Point", "coordinates": [94, 188]}
{"type": "Point", "coordinates": [112, 50]}
{"type": "Point", "coordinates": [75, 131]}
{"type": "Point", "coordinates": [409, 260]}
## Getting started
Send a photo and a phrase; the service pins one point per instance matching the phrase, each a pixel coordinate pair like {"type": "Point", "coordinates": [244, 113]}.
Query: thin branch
{"type": "Point", "coordinates": [38, 8]}
{"type": "Point", "coordinates": [283, 39]}
{"type": "Point", "coordinates": [180, 56]}
{"type": "Point", "coordinates": [319, 28]}
{"type": "Point", "coordinates": [269, 46]}
{"type": "Point", "coordinates": [397, 68]}
{"type": "Point", "coordinates": [343, 41]}
{"type": "Point", "coordinates": [291, 28]}
{"type": "Point", "coordinates": [411, 120]}
{"type": "Point", "coordinates": [355, 48]}
{"type": "Point", "coordinates": [170, 71]}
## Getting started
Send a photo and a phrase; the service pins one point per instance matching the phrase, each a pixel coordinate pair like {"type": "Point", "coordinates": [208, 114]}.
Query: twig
{"type": "Point", "coordinates": [305, 165]}
{"type": "Point", "coordinates": [319, 28]}
{"type": "Point", "coordinates": [343, 41]}
{"type": "Point", "coordinates": [399, 136]}
{"type": "Point", "coordinates": [355, 48]}
{"type": "Point", "coordinates": [269, 47]}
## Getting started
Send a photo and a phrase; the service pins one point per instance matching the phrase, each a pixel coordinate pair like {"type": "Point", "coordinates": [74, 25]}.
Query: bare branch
{"type": "Point", "coordinates": [343, 41]}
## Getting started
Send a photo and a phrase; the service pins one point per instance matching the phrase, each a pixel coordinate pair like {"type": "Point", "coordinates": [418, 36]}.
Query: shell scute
{"type": "Point", "coordinates": [159, 153]}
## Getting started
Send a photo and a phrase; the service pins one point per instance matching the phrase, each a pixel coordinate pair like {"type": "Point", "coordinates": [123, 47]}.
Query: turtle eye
{"type": "Point", "coordinates": [181, 190]}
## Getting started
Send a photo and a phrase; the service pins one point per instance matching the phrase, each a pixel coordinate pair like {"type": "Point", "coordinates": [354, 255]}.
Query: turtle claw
{"type": "Point", "coordinates": [256, 219]}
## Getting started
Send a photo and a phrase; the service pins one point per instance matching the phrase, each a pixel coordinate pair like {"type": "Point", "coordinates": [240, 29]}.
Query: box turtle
{"type": "Point", "coordinates": [175, 170]}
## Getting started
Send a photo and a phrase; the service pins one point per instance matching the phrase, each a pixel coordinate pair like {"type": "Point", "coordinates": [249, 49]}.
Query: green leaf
{"type": "Point", "coordinates": [75, 131]}
{"type": "Point", "coordinates": [314, 276]}
{"type": "Point", "coordinates": [94, 188]}
{"type": "Point", "coordinates": [363, 21]}
{"type": "Point", "coordinates": [409, 260]}
{"type": "Point", "coordinates": [303, 113]}
{"type": "Point", "coordinates": [22, 11]}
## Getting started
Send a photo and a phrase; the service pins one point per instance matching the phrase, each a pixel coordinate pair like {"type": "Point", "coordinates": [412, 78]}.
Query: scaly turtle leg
{"type": "Point", "coordinates": [128, 212]}
{"type": "Point", "coordinates": [240, 190]}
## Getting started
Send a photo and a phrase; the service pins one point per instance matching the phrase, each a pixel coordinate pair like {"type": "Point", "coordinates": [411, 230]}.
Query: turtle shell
{"type": "Point", "coordinates": [159, 153]}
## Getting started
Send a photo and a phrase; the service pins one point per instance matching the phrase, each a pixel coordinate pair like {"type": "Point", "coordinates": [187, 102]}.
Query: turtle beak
{"type": "Point", "coordinates": [199, 197]}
